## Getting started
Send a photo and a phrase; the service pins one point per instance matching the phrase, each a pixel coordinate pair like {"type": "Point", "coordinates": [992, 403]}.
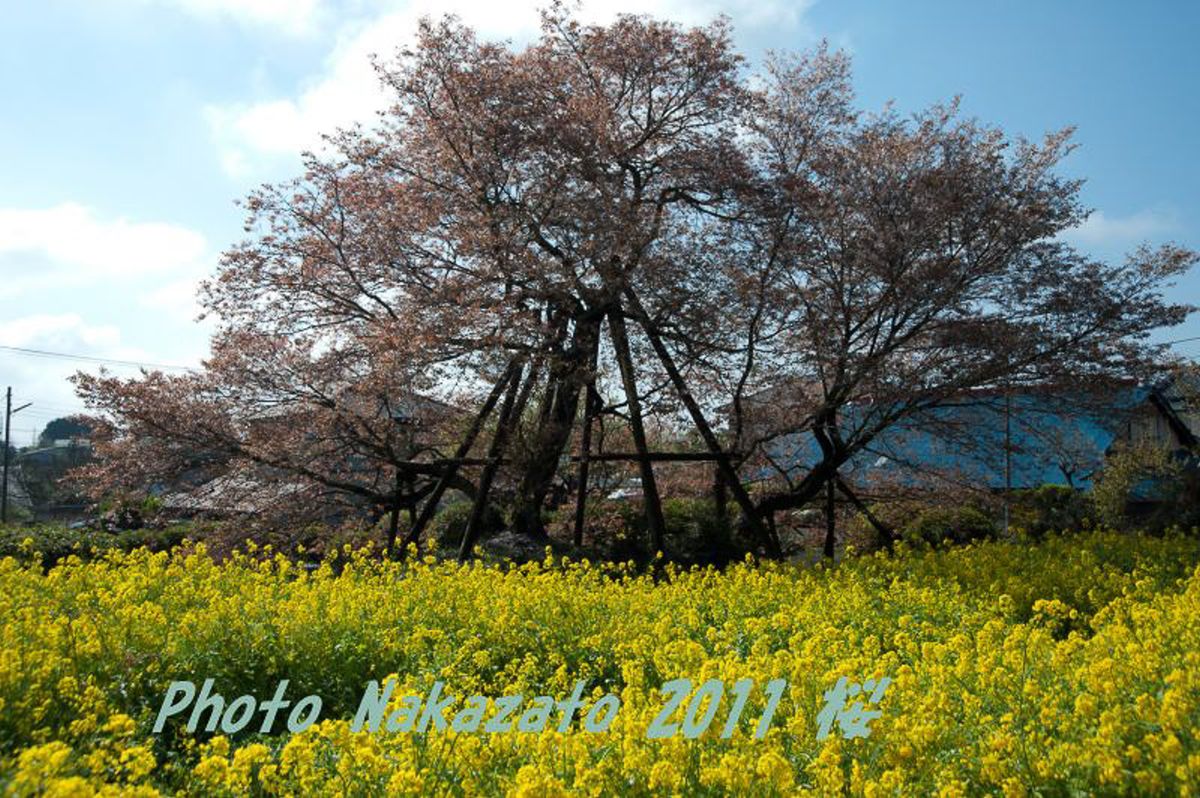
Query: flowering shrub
{"type": "Point", "coordinates": [1069, 666]}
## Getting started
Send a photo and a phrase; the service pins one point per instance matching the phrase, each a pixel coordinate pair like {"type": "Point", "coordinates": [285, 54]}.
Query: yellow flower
{"type": "Point", "coordinates": [1000, 699]}
{"type": "Point", "coordinates": [531, 782]}
{"type": "Point", "coordinates": [774, 771]}
{"type": "Point", "coordinates": [665, 775]}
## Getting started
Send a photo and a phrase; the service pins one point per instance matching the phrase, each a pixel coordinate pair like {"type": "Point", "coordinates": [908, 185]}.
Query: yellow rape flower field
{"type": "Point", "coordinates": [1064, 668]}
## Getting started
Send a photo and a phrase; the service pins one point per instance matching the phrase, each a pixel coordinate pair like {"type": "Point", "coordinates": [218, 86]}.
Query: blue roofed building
{"type": "Point", "coordinates": [998, 440]}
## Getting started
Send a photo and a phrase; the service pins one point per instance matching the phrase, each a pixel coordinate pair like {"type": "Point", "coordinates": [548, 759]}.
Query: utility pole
{"type": "Point", "coordinates": [1007, 453]}
{"type": "Point", "coordinates": [9, 412]}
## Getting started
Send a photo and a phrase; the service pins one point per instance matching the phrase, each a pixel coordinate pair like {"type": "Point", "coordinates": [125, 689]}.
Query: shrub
{"type": "Point", "coordinates": [119, 513]}
{"type": "Point", "coordinates": [52, 543]}
{"type": "Point", "coordinates": [1182, 507]}
{"type": "Point", "coordinates": [616, 530]}
{"type": "Point", "coordinates": [941, 525]}
{"type": "Point", "coordinates": [924, 524]}
{"type": "Point", "coordinates": [613, 529]}
{"type": "Point", "coordinates": [695, 533]}
{"type": "Point", "coordinates": [1130, 473]}
{"type": "Point", "coordinates": [1051, 508]}
{"type": "Point", "coordinates": [450, 524]}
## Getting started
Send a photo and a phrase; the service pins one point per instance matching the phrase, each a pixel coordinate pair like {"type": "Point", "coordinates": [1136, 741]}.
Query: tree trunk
{"type": "Point", "coordinates": [568, 373]}
{"type": "Point", "coordinates": [650, 499]}
{"type": "Point", "coordinates": [825, 432]}
{"type": "Point", "coordinates": [720, 495]}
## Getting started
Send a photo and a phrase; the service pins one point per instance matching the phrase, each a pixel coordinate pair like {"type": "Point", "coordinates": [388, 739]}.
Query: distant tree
{"type": "Point", "coordinates": [1128, 469]}
{"type": "Point", "coordinates": [63, 429]}
{"type": "Point", "coordinates": [43, 475]}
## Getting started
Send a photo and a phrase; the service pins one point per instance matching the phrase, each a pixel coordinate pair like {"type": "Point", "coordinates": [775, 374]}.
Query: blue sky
{"type": "Point", "coordinates": [129, 127]}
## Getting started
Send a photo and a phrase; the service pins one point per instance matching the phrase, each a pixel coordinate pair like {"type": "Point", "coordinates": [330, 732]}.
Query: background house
{"type": "Point", "coordinates": [997, 440]}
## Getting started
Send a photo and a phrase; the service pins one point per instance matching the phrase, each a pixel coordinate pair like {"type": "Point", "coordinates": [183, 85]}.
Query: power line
{"type": "Point", "coordinates": [89, 359]}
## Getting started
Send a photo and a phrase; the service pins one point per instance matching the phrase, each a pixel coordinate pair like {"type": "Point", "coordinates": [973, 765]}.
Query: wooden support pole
{"type": "Point", "coordinates": [435, 497]}
{"type": "Point", "coordinates": [650, 499]}
{"type": "Point", "coordinates": [503, 425]}
{"type": "Point", "coordinates": [768, 538]}
{"type": "Point", "coordinates": [591, 407]}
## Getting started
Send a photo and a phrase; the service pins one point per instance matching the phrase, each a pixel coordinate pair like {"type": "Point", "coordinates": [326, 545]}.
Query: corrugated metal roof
{"type": "Point", "coordinates": [1050, 434]}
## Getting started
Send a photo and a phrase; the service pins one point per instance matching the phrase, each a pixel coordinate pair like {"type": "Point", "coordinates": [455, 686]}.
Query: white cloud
{"type": "Point", "coordinates": [68, 256]}
{"type": "Point", "coordinates": [346, 89]}
{"type": "Point", "coordinates": [43, 380]}
{"type": "Point", "coordinates": [74, 241]}
{"type": "Point", "coordinates": [293, 17]}
{"type": "Point", "coordinates": [59, 332]}
{"type": "Point", "coordinates": [178, 299]}
{"type": "Point", "coordinates": [1101, 230]}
